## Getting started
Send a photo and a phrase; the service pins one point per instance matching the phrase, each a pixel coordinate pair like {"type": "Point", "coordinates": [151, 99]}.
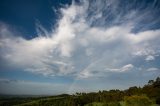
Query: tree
{"type": "Point", "coordinates": [150, 82]}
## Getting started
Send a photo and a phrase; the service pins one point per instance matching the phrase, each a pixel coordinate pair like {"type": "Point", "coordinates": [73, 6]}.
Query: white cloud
{"type": "Point", "coordinates": [153, 69]}
{"type": "Point", "coordinates": [90, 72]}
{"type": "Point", "coordinates": [149, 58]}
{"type": "Point", "coordinates": [122, 69]}
{"type": "Point", "coordinates": [148, 53]}
{"type": "Point", "coordinates": [145, 36]}
{"type": "Point", "coordinates": [75, 46]}
{"type": "Point", "coordinates": [144, 52]}
{"type": "Point", "coordinates": [127, 67]}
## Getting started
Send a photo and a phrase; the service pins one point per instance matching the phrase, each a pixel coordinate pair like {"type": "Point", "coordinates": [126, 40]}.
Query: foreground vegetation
{"type": "Point", "coordinates": [149, 95]}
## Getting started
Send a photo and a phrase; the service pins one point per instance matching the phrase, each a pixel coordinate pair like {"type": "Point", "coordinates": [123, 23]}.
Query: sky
{"type": "Point", "coordinates": [50, 47]}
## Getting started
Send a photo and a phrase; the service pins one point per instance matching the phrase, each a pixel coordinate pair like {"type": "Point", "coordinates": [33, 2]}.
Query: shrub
{"type": "Point", "coordinates": [137, 101]}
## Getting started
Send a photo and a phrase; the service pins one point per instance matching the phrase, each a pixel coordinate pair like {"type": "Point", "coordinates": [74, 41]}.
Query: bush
{"type": "Point", "coordinates": [137, 101]}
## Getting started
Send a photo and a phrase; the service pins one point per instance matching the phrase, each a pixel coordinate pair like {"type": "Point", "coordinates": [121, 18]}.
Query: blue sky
{"type": "Point", "coordinates": [23, 14]}
{"type": "Point", "coordinates": [63, 46]}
